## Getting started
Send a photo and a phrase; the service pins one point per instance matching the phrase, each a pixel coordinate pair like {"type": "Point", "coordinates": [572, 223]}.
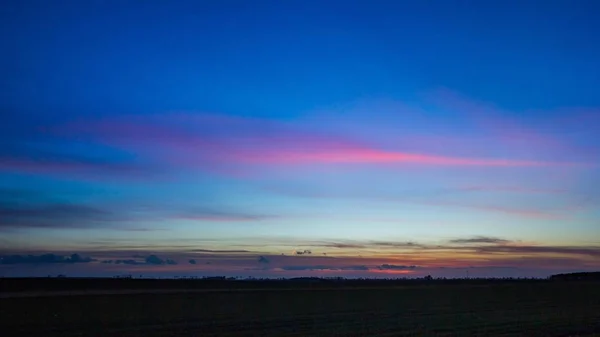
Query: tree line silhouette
{"type": "Point", "coordinates": [221, 282]}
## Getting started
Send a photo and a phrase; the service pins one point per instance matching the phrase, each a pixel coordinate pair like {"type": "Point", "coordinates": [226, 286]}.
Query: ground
{"type": "Point", "coordinates": [436, 309]}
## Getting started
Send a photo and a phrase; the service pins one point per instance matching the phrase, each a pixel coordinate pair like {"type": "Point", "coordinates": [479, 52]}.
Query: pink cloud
{"type": "Point", "coordinates": [96, 171]}
{"type": "Point", "coordinates": [160, 144]}
{"type": "Point", "coordinates": [528, 213]}
{"type": "Point", "coordinates": [547, 136]}
{"type": "Point", "coordinates": [199, 143]}
{"type": "Point", "coordinates": [361, 155]}
{"type": "Point", "coordinates": [515, 189]}
{"type": "Point", "coordinates": [221, 218]}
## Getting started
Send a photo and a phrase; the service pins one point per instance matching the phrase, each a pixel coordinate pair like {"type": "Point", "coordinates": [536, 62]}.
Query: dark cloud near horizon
{"type": "Point", "coordinates": [354, 268]}
{"type": "Point", "coordinates": [324, 267]}
{"type": "Point", "coordinates": [592, 251]}
{"type": "Point", "coordinates": [220, 251]}
{"type": "Point", "coordinates": [155, 260]}
{"type": "Point", "coordinates": [127, 261]}
{"type": "Point", "coordinates": [30, 209]}
{"type": "Point", "coordinates": [22, 155]}
{"type": "Point", "coordinates": [44, 259]}
{"type": "Point", "coordinates": [262, 259]}
{"type": "Point", "coordinates": [52, 215]}
{"type": "Point", "coordinates": [341, 245]}
{"type": "Point", "coordinates": [480, 239]}
{"type": "Point", "coordinates": [192, 261]}
{"type": "Point", "coordinates": [395, 267]}
{"type": "Point", "coordinates": [368, 244]}
{"type": "Point", "coordinates": [482, 244]}
{"type": "Point", "coordinates": [208, 214]}
{"type": "Point", "coordinates": [400, 244]}
{"type": "Point", "coordinates": [303, 252]}
{"type": "Point", "coordinates": [147, 260]}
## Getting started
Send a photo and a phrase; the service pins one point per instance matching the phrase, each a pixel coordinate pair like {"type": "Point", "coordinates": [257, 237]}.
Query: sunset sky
{"type": "Point", "coordinates": [299, 138]}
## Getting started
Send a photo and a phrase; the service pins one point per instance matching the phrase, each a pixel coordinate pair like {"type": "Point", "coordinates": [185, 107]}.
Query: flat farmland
{"type": "Point", "coordinates": [513, 309]}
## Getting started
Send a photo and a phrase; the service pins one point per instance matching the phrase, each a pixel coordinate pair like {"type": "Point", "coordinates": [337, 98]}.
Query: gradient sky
{"type": "Point", "coordinates": [287, 138]}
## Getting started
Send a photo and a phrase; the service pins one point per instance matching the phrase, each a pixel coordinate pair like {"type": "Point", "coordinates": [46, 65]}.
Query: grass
{"type": "Point", "coordinates": [515, 309]}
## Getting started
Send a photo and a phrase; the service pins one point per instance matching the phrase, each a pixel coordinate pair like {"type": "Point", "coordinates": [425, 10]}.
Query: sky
{"type": "Point", "coordinates": [299, 138]}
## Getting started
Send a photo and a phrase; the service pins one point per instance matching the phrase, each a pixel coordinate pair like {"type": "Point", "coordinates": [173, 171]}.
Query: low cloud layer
{"type": "Point", "coordinates": [44, 259]}
{"type": "Point", "coordinates": [29, 209]}
{"type": "Point", "coordinates": [223, 251]}
{"type": "Point", "coordinates": [171, 142]}
{"type": "Point", "coordinates": [303, 252]}
{"type": "Point", "coordinates": [52, 215]}
{"type": "Point", "coordinates": [324, 267]}
{"type": "Point", "coordinates": [405, 258]}
{"type": "Point", "coordinates": [395, 267]}
{"type": "Point", "coordinates": [480, 239]}
{"type": "Point", "coordinates": [148, 260]}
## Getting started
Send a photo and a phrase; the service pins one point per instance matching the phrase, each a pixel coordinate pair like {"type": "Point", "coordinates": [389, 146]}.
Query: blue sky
{"type": "Point", "coordinates": [231, 131]}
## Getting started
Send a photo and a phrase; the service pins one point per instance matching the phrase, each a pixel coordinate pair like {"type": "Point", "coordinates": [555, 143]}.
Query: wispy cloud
{"type": "Point", "coordinates": [201, 141]}
{"type": "Point", "coordinates": [552, 136]}
{"type": "Point", "coordinates": [30, 158]}
{"type": "Point", "coordinates": [512, 189]}
{"type": "Point", "coordinates": [395, 267]}
{"type": "Point", "coordinates": [207, 214]}
{"type": "Point", "coordinates": [323, 267]}
{"type": "Point", "coordinates": [531, 213]}
{"type": "Point", "coordinates": [44, 259]}
{"type": "Point", "coordinates": [591, 251]}
{"type": "Point", "coordinates": [340, 245]}
{"type": "Point", "coordinates": [148, 260]}
{"type": "Point", "coordinates": [54, 215]}
{"type": "Point", "coordinates": [437, 259]}
{"type": "Point", "coordinates": [23, 209]}
{"type": "Point", "coordinates": [224, 251]}
{"type": "Point", "coordinates": [480, 239]}
{"type": "Point", "coordinates": [439, 198]}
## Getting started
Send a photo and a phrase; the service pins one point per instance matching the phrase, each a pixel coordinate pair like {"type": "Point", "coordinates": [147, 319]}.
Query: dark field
{"type": "Point", "coordinates": [435, 309]}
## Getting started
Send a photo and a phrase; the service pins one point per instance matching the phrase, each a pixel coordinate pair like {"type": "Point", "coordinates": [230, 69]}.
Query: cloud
{"type": "Point", "coordinates": [29, 209]}
{"type": "Point", "coordinates": [520, 212]}
{"type": "Point", "coordinates": [192, 261]}
{"type": "Point", "coordinates": [359, 245]}
{"type": "Point", "coordinates": [126, 261]}
{"type": "Point", "coordinates": [161, 144]}
{"type": "Point", "coordinates": [146, 260]}
{"type": "Point", "coordinates": [37, 160]}
{"type": "Point", "coordinates": [393, 244]}
{"type": "Point", "coordinates": [155, 260]}
{"type": "Point", "coordinates": [224, 251]}
{"type": "Point", "coordinates": [207, 214]}
{"type": "Point", "coordinates": [373, 156]}
{"type": "Point", "coordinates": [201, 141]}
{"type": "Point", "coordinates": [433, 198]}
{"type": "Point", "coordinates": [395, 267]}
{"type": "Point", "coordinates": [341, 245]}
{"type": "Point", "coordinates": [324, 267]}
{"type": "Point", "coordinates": [53, 215]}
{"type": "Point", "coordinates": [553, 136]}
{"type": "Point", "coordinates": [354, 268]}
{"type": "Point", "coordinates": [262, 259]}
{"type": "Point", "coordinates": [592, 251]}
{"type": "Point", "coordinates": [513, 189]}
{"type": "Point", "coordinates": [480, 239]}
{"type": "Point", "coordinates": [44, 259]}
